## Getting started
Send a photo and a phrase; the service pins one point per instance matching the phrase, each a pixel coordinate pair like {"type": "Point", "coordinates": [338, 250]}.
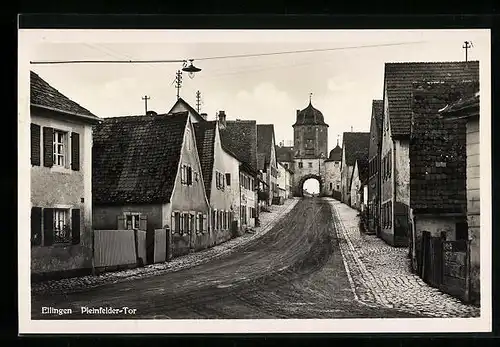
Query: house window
{"type": "Point", "coordinates": [62, 230]}
{"type": "Point", "coordinates": [228, 179]}
{"type": "Point", "coordinates": [300, 165]}
{"type": "Point", "coordinates": [310, 164]}
{"type": "Point", "coordinates": [338, 187]}
{"type": "Point", "coordinates": [214, 221]}
{"type": "Point", "coordinates": [187, 223]}
{"type": "Point", "coordinates": [132, 221]}
{"type": "Point", "coordinates": [59, 148]}
{"type": "Point", "coordinates": [177, 222]}
{"type": "Point", "coordinates": [186, 175]}
{"type": "Point", "coordinates": [188, 140]}
{"type": "Point", "coordinates": [200, 222]}
{"type": "Point", "coordinates": [219, 180]}
{"type": "Point", "coordinates": [286, 166]}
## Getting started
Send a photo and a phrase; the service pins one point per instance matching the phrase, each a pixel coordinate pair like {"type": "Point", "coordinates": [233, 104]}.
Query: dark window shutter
{"type": "Point", "coordinates": [75, 151]}
{"type": "Point", "coordinates": [228, 179]}
{"type": "Point", "coordinates": [35, 144]}
{"type": "Point", "coordinates": [48, 226]}
{"type": "Point", "coordinates": [143, 222]}
{"type": "Point", "coordinates": [36, 226]}
{"type": "Point", "coordinates": [75, 226]}
{"type": "Point", "coordinates": [121, 225]}
{"type": "Point", "coordinates": [48, 149]}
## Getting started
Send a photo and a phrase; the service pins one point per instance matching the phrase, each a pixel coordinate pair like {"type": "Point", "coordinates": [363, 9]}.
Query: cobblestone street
{"type": "Point", "coordinates": [380, 275]}
{"type": "Point", "coordinates": [308, 260]}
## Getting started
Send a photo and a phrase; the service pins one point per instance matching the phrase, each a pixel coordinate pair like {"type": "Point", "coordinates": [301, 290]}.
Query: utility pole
{"type": "Point", "coordinates": [198, 101]}
{"type": "Point", "coordinates": [178, 82]}
{"type": "Point", "coordinates": [146, 98]}
{"type": "Point", "coordinates": [466, 46]}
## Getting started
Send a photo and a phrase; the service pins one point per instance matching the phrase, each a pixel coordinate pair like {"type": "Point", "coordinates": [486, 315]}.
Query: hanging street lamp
{"type": "Point", "coordinates": [191, 69]}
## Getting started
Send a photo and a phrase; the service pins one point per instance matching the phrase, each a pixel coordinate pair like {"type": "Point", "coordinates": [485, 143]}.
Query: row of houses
{"type": "Point", "coordinates": [135, 178]}
{"type": "Point", "coordinates": [415, 175]}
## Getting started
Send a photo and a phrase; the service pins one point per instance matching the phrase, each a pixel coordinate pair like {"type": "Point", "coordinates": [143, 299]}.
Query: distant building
{"type": "Point", "coordinates": [61, 183]}
{"type": "Point", "coordinates": [285, 181]}
{"type": "Point", "coordinates": [396, 124]}
{"type": "Point", "coordinates": [332, 172]}
{"type": "Point", "coordinates": [240, 137]}
{"type": "Point", "coordinates": [359, 182]}
{"type": "Point", "coordinates": [221, 176]}
{"type": "Point", "coordinates": [181, 105]}
{"type": "Point", "coordinates": [355, 145]}
{"type": "Point", "coordinates": [284, 156]}
{"type": "Point", "coordinates": [310, 134]}
{"type": "Point", "coordinates": [266, 158]}
{"type": "Point", "coordinates": [373, 199]}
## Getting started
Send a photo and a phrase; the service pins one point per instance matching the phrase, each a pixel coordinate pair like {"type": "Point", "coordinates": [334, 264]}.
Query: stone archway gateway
{"type": "Point", "coordinates": [299, 188]}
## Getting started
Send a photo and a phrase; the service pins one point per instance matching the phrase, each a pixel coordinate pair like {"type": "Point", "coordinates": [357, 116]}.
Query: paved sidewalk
{"type": "Point", "coordinates": [380, 274]}
{"type": "Point", "coordinates": [268, 220]}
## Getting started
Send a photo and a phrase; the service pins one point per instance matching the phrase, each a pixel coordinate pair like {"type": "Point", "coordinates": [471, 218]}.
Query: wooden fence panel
{"type": "Point", "coordinates": [114, 248]}
{"type": "Point", "coordinates": [160, 246]}
{"type": "Point", "coordinates": [456, 268]}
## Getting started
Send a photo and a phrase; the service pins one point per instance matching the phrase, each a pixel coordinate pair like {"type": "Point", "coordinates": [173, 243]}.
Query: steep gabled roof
{"type": "Point", "coordinates": [205, 142]}
{"type": "Point", "coordinates": [363, 168]}
{"type": "Point", "coordinates": [265, 137]}
{"type": "Point", "coordinates": [355, 145]}
{"type": "Point", "coordinates": [189, 108]}
{"type": "Point", "coordinates": [377, 112]}
{"type": "Point", "coordinates": [376, 127]}
{"type": "Point", "coordinates": [437, 150]}
{"type": "Point", "coordinates": [240, 137]}
{"type": "Point", "coordinates": [398, 83]}
{"type": "Point", "coordinates": [136, 158]}
{"type": "Point", "coordinates": [45, 96]}
{"type": "Point", "coordinates": [284, 153]}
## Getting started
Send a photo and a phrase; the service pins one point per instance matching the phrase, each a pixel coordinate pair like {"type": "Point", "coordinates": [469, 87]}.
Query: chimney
{"type": "Point", "coordinates": [203, 115]}
{"type": "Point", "coordinates": [222, 119]}
{"type": "Point", "coordinates": [298, 111]}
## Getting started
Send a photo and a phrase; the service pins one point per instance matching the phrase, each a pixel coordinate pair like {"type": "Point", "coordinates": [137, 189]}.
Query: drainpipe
{"type": "Point", "coordinates": [239, 212]}
{"type": "Point", "coordinates": [92, 240]}
{"type": "Point", "coordinates": [394, 183]}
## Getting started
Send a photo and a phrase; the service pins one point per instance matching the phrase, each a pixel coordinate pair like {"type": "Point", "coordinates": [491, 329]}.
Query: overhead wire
{"type": "Point", "coordinates": [225, 56]}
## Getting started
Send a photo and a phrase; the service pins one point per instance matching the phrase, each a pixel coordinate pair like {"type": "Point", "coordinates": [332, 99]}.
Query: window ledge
{"type": "Point", "coordinates": [61, 169]}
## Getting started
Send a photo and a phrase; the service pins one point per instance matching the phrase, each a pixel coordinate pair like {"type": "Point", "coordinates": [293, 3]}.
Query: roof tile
{"type": "Point", "coordinates": [136, 158]}
{"type": "Point", "coordinates": [356, 146]}
{"type": "Point", "coordinates": [398, 83]}
{"type": "Point", "coordinates": [44, 95]}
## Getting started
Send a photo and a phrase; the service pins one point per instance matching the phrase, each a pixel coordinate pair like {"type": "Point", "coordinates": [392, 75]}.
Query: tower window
{"type": "Point", "coordinates": [310, 164]}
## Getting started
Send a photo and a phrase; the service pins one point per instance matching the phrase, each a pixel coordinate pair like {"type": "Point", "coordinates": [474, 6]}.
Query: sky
{"type": "Point", "coordinates": [268, 89]}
